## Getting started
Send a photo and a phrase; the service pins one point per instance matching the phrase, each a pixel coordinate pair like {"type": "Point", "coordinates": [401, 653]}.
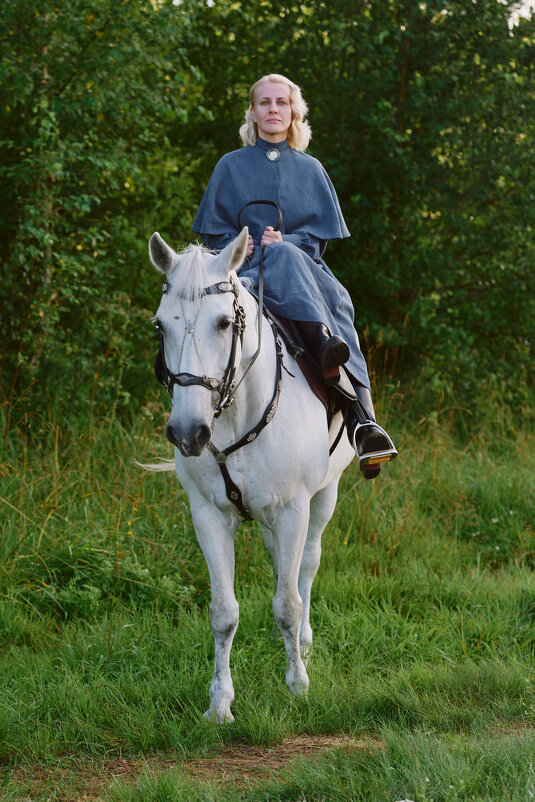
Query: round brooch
{"type": "Point", "coordinates": [273, 154]}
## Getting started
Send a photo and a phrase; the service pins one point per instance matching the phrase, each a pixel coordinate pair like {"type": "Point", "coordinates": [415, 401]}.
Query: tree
{"type": "Point", "coordinates": [114, 113]}
{"type": "Point", "coordinates": [88, 91]}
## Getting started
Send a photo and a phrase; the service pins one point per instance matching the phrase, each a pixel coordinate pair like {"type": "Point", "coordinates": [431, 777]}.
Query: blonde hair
{"type": "Point", "coordinates": [299, 133]}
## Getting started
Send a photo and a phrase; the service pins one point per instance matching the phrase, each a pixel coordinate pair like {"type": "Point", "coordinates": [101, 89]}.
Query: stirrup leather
{"type": "Point", "coordinates": [374, 457]}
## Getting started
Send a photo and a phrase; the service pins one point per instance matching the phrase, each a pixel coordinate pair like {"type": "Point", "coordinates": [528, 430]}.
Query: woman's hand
{"type": "Point", "coordinates": [250, 247]}
{"type": "Point", "coordinates": [270, 236]}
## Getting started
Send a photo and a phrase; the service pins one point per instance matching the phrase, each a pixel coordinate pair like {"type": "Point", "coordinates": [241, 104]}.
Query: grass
{"type": "Point", "coordinates": [423, 615]}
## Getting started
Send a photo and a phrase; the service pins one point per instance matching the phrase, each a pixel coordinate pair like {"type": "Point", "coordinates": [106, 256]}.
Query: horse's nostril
{"type": "Point", "coordinates": [202, 436]}
{"type": "Point", "coordinates": [190, 445]}
{"type": "Point", "coordinates": [172, 436]}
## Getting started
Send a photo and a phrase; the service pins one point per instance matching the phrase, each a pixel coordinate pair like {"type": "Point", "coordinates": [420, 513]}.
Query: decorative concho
{"type": "Point", "coordinates": [165, 286]}
{"type": "Point", "coordinates": [251, 437]}
{"type": "Point", "coordinates": [273, 155]}
{"type": "Point", "coordinates": [271, 413]}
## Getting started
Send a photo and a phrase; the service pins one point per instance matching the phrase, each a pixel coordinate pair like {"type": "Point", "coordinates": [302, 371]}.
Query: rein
{"type": "Point", "coordinates": [226, 387]}
{"type": "Point", "coordinates": [233, 491]}
{"type": "Point", "coordinates": [260, 278]}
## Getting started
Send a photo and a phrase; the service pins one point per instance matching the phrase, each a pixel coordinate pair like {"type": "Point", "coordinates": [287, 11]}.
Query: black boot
{"type": "Point", "coordinates": [329, 351]}
{"type": "Point", "coordinates": [370, 441]}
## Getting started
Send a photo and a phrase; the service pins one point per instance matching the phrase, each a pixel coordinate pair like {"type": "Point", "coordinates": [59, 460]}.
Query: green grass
{"type": "Point", "coordinates": [423, 616]}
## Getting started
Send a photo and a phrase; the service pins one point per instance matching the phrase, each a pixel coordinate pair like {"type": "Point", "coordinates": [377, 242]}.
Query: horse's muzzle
{"type": "Point", "coordinates": [190, 444]}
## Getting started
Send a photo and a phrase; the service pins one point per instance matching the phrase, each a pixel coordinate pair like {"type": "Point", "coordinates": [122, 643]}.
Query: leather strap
{"type": "Point", "coordinates": [233, 491]}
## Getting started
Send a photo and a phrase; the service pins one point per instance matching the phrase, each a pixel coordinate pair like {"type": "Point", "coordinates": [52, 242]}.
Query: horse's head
{"type": "Point", "coordinates": [199, 322]}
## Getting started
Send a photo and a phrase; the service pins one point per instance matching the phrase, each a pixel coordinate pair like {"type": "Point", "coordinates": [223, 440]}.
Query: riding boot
{"type": "Point", "coordinates": [329, 351]}
{"type": "Point", "coordinates": [370, 441]}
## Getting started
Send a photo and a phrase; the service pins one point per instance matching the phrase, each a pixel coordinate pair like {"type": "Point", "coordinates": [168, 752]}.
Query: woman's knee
{"type": "Point", "coordinates": [283, 255]}
{"type": "Point", "coordinates": [284, 249]}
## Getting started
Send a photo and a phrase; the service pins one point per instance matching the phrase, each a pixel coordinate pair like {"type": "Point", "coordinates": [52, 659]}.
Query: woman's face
{"type": "Point", "coordinates": [272, 111]}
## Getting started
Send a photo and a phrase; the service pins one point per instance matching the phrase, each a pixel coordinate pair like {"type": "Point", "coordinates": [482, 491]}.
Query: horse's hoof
{"type": "Point", "coordinates": [298, 685]}
{"type": "Point", "coordinates": [219, 714]}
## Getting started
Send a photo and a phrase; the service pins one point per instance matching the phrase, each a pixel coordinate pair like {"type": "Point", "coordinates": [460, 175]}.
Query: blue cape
{"type": "Point", "coordinates": [298, 284]}
{"type": "Point", "coordinates": [297, 182]}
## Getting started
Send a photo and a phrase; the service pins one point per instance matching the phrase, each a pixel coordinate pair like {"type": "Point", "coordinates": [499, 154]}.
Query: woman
{"type": "Point", "coordinates": [297, 283]}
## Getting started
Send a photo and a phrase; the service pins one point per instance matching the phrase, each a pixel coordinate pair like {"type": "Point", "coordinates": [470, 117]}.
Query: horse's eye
{"type": "Point", "coordinates": [158, 330]}
{"type": "Point", "coordinates": [223, 324]}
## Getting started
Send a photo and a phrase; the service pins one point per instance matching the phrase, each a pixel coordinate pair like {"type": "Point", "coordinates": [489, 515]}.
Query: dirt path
{"type": "Point", "coordinates": [70, 780]}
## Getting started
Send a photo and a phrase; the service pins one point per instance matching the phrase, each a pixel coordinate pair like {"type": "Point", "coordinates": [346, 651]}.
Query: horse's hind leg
{"type": "Point", "coordinates": [321, 509]}
{"type": "Point", "coordinates": [217, 543]}
{"type": "Point", "coordinates": [289, 534]}
{"type": "Point", "coordinates": [267, 537]}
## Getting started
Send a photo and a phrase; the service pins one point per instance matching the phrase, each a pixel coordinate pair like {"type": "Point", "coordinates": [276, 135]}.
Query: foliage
{"type": "Point", "coordinates": [114, 113]}
{"type": "Point", "coordinates": [87, 94]}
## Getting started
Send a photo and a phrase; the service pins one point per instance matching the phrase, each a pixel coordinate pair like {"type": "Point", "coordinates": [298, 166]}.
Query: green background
{"type": "Point", "coordinates": [113, 114]}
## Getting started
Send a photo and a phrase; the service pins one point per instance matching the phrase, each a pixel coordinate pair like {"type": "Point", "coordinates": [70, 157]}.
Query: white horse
{"type": "Point", "coordinates": [282, 475]}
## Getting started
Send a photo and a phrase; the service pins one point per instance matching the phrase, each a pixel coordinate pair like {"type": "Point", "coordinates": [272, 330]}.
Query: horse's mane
{"type": "Point", "coordinates": [192, 276]}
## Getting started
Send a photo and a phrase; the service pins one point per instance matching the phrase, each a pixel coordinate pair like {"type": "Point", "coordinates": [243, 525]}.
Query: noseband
{"type": "Point", "coordinates": [225, 386]}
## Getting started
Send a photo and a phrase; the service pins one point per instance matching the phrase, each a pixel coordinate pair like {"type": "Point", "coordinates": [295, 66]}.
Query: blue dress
{"type": "Point", "coordinates": [297, 283]}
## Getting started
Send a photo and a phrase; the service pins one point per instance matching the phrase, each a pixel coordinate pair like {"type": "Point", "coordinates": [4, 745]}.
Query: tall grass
{"type": "Point", "coordinates": [423, 615]}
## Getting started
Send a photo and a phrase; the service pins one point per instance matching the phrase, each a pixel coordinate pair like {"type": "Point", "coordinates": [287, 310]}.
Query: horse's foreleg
{"type": "Point", "coordinates": [321, 509]}
{"type": "Point", "coordinates": [217, 543]}
{"type": "Point", "coordinates": [289, 536]}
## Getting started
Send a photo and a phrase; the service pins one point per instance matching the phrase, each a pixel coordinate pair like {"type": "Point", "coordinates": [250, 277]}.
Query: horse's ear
{"type": "Point", "coordinates": [233, 255]}
{"type": "Point", "coordinates": [161, 255]}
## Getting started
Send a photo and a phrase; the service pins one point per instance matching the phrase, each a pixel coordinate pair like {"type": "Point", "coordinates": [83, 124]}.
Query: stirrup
{"type": "Point", "coordinates": [378, 457]}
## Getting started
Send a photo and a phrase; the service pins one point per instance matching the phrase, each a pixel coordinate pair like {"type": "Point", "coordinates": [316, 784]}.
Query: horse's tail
{"type": "Point", "coordinates": [163, 465]}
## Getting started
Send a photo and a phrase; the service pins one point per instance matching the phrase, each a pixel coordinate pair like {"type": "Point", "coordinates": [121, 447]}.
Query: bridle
{"type": "Point", "coordinates": [225, 386]}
